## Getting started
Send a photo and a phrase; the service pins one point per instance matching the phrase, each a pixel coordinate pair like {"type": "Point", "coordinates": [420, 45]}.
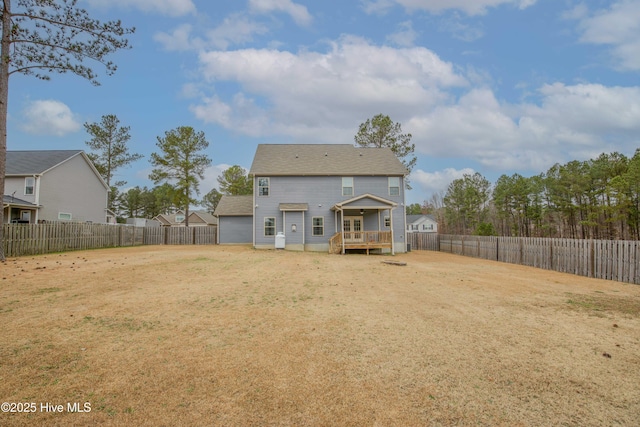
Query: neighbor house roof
{"type": "Point", "coordinates": [204, 216]}
{"type": "Point", "coordinates": [234, 206]}
{"type": "Point", "coordinates": [414, 218]}
{"type": "Point", "coordinates": [324, 160]}
{"type": "Point", "coordinates": [36, 162]}
{"type": "Point", "coordinates": [8, 200]}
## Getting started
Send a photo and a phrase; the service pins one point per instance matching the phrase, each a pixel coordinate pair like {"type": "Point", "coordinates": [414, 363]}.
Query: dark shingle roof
{"type": "Point", "coordinates": [324, 160]}
{"type": "Point", "coordinates": [234, 206]}
{"type": "Point", "coordinates": [414, 218]}
{"type": "Point", "coordinates": [36, 162]}
{"type": "Point", "coordinates": [10, 200]}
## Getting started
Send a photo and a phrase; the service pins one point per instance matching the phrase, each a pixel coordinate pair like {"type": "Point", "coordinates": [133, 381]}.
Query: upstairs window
{"type": "Point", "coordinates": [263, 186]}
{"type": "Point", "coordinates": [179, 219]}
{"type": "Point", "coordinates": [347, 186]}
{"type": "Point", "coordinates": [394, 186]}
{"type": "Point", "coordinates": [29, 184]}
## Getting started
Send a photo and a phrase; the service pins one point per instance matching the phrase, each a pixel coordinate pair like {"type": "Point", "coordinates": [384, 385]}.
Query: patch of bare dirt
{"type": "Point", "coordinates": [230, 336]}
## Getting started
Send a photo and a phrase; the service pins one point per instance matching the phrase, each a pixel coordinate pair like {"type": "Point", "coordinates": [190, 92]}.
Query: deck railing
{"type": "Point", "coordinates": [335, 243]}
{"type": "Point", "coordinates": [359, 240]}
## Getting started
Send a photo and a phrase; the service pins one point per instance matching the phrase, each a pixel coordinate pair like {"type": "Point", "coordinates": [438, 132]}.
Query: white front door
{"type": "Point", "coordinates": [352, 226]}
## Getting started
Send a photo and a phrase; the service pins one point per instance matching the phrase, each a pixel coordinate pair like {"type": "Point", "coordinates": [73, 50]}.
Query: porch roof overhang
{"type": "Point", "coordinates": [293, 207]}
{"type": "Point", "coordinates": [365, 201]}
{"type": "Point", "coordinates": [13, 202]}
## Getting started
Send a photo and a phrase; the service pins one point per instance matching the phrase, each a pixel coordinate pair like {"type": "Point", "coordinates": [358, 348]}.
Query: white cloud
{"type": "Point", "coordinates": [298, 13]}
{"type": "Point", "coordinates": [459, 29]}
{"type": "Point", "coordinates": [49, 117]}
{"type": "Point", "coordinates": [470, 7]}
{"type": "Point", "coordinates": [571, 122]}
{"type": "Point", "coordinates": [405, 36]}
{"type": "Point", "coordinates": [164, 7]}
{"type": "Point", "coordinates": [179, 39]}
{"type": "Point", "coordinates": [378, 7]}
{"type": "Point", "coordinates": [235, 29]}
{"type": "Point", "coordinates": [618, 27]}
{"type": "Point", "coordinates": [300, 93]}
{"type": "Point", "coordinates": [436, 182]}
{"type": "Point", "coordinates": [323, 97]}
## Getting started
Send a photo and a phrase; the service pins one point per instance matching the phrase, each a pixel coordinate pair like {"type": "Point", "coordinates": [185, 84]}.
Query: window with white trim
{"type": "Point", "coordinates": [263, 186]}
{"type": "Point", "coordinates": [64, 216]}
{"type": "Point", "coordinates": [270, 226]}
{"type": "Point", "coordinates": [179, 219]}
{"type": "Point", "coordinates": [394, 186]}
{"type": "Point", "coordinates": [29, 184]}
{"type": "Point", "coordinates": [347, 186]}
{"type": "Point", "coordinates": [318, 226]}
{"type": "Point", "coordinates": [387, 221]}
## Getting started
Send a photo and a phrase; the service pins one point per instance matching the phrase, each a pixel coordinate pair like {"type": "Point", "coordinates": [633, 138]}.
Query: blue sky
{"type": "Point", "coordinates": [493, 86]}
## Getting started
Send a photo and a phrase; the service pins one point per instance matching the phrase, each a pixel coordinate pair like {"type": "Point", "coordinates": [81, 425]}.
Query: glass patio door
{"type": "Point", "coordinates": [352, 226]}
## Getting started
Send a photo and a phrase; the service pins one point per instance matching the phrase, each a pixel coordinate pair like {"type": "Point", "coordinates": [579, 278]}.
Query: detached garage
{"type": "Point", "coordinates": [235, 219]}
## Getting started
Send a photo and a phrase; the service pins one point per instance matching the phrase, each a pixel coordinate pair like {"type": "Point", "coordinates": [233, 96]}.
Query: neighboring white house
{"type": "Point", "coordinates": [421, 224]}
{"type": "Point", "coordinates": [53, 185]}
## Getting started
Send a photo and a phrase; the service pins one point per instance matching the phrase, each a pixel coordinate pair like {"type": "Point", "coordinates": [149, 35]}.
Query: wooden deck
{"type": "Point", "coordinates": [366, 240]}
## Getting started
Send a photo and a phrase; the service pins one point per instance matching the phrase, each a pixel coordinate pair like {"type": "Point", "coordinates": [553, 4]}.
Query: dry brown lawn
{"type": "Point", "coordinates": [230, 336]}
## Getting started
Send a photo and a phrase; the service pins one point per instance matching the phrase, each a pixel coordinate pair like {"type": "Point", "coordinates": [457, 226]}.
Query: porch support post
{"type": "Point", "coordinates": [342, 229]}
{"type": "Point", "coordinates": [393, 249]}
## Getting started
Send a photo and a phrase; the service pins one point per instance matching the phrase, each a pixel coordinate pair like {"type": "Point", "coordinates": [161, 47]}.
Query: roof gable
{"type": "Point", "coordinates": [324, 160]}
{"type": "Point", "coordinates": [36, 162]}
{"type": "Point", "coordinates": [418, 219]}
{"type": "Point", "coordinates": [365, 201]}
{"type": "Point", "coordinates": [202, 217]}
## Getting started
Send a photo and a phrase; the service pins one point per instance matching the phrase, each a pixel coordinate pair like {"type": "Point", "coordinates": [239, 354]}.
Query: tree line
{"type": "Point", "coordinates": [593, 199]}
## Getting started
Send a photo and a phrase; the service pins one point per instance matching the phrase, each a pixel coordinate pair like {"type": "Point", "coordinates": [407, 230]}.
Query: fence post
{"type": "Point", "coordinates": [592, 258]}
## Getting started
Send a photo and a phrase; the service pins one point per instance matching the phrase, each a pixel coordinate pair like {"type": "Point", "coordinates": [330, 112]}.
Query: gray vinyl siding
{"type": "Point", "coordinates": [15, 186]}
{"type": "Point", "coordinates": [73, 187]}
{"type": "Point", "coordinates": [235, 229]}
{"type": "Point", "coordinates": [321, 193]}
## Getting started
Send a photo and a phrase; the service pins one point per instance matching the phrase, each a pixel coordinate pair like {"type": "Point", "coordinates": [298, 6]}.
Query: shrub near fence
{"type": "Point", "coordinates": [35, 239]}
{"type": "Point", "coordinates": [603, 259]}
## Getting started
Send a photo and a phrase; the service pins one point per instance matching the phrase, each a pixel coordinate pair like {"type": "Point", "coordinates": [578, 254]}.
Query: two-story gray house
{"type": "Point", "coordinates": [328, 197]}
{"type": "Point", "coordinates": [54, 185]}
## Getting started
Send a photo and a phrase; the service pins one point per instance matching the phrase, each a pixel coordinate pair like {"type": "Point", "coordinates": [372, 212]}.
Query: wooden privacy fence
{"type": "Point", "coordinates": [34, 239]}
{"type": "Point", "coordinates": [603, 259]}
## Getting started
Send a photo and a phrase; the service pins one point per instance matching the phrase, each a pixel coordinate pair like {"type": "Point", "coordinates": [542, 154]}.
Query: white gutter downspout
{"type": "Point", "coordinates": [255, 208]}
